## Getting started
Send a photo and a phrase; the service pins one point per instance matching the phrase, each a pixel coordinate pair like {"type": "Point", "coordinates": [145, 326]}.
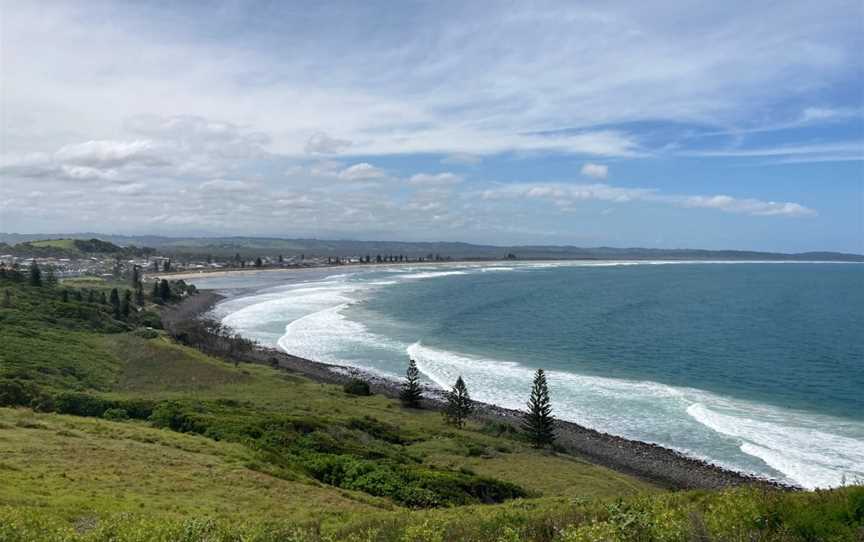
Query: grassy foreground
{"type": "Point", "coordinates": [111, 433]}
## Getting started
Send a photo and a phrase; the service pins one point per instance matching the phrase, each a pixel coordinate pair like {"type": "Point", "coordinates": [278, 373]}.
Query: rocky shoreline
{"type": "Point", "coordinates": [650, 462]}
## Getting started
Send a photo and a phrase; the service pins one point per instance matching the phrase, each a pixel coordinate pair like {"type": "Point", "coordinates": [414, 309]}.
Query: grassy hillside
{"type": "Point", "coordinates": [121, 434]}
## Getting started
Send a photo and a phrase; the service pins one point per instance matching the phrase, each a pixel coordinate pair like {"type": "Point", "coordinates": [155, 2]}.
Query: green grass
{"type": "Point", "coordinates": [252, 453]}
{"type": "Point", "coordinates": [66, 244]}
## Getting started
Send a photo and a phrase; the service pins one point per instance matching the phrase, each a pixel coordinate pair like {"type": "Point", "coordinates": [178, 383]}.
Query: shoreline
{"type": "Point", "coordinates": [650, 462]}
{"type": "Point", "coordinates": [220, 273]}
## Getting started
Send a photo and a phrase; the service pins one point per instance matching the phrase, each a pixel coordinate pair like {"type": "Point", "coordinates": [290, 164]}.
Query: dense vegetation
{"type": "Point", "coordinates": [66, 248]}
{"type": "Point", "coordinates": [111, 430]}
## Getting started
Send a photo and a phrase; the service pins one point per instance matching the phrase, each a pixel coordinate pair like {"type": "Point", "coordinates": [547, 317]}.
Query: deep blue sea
{"type": "Point", "coordinates": [754, 366]}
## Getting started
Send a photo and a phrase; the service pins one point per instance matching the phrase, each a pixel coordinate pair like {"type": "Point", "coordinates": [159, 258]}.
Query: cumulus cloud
{"type": "Point", "coordinates": [111, 153]}
{"type": "Point", "coordinates": [363, 171]}
{"type": "Point", "coordinates": [595, 171]}
{"type": "Point", "coordinates": [436, 179]}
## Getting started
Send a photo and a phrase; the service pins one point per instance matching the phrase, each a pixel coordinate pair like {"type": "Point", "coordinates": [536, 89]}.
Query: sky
{"type": "Point", "coordinates": [657, 124]}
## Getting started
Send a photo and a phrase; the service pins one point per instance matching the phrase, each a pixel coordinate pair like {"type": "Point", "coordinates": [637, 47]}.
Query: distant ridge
{"type": "Point", "coordinates": [264, 246]}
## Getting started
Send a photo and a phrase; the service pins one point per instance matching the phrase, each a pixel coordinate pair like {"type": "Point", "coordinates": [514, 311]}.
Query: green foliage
{"type": "Point", "coordinates": [356, 386]}
{"type": "Point", "coordinates": [538, 422]}
{"type": "Point", "coordinates": [411, 393]}
{"type": "Point", "coordinates": [35, 274]}
{"type": "Point", "coordinates": [116, 414]}
{"type": "Point", "coordinates": [459, 404]}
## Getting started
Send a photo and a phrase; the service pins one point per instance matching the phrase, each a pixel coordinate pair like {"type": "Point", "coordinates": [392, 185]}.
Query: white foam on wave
{"type": "Point", "coordinates": [686, 419]}
{"type": "Point", "coordinates": [320, 335]}
{"type": "Point", "coordinates": [798, 446]}
{"type": "Point", "coordinates": [431, 274]}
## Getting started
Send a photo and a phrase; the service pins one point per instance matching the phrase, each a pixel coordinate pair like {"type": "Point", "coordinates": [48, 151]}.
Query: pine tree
{"type": "Point", "coordinates": [164, 290]}
{"type": "Point", "coordinates": [7, 299]}
{"type": "Point", "coordinates": [139, 295]}
{"type": "Point", "coordinates": [35, 274]}
{"type": "Point", "coordinates": [126, 304]}
{"type": "Point", "coordinates": [258, 262]}
{"type": "Point", "coordinates": [411, 392]}
{"type": "Point", "coordinates": [155, 293]}
{"type": "Point", "coordinates": [50, 276]}
{"type": "Point", "coordinates": [102, 299]}
{"type": "Point", "coordinates": [115, 302]}
{"type": "Point", "coordinates": [538, 422]}
{"type": "Point", "coordinates": [136, 276]}
{"type": "Point", "coordinates": [459, 404]}
{"type": "Point", "coordinates": [64, 297]}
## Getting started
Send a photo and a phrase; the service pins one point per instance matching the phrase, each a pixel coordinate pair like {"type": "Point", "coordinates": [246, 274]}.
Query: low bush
{"type": "Point", "coordinates": [115, 414]}
{"type": "Point", "coordinates": [357, 386]}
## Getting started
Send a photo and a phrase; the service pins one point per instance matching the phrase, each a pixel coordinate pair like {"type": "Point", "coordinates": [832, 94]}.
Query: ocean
{"type": "Point", "coordinates": [757, 367]}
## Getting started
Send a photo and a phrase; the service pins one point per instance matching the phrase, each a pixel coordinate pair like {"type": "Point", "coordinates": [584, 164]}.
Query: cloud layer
{"type": "Point", "coordinates": [453, 120]}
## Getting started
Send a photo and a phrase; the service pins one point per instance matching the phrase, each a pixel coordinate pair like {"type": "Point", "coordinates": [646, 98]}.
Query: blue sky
{"type": "Point", "coordinates": [661, 124]}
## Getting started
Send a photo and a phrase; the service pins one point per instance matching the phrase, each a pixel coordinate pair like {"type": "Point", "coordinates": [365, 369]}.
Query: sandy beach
{"type": "Point", "coordinates": [650, 462]}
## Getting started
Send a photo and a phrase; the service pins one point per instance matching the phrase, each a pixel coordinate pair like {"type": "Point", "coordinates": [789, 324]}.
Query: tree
{"type": "Point", "coordinates": [7, 299]}
{"type": "Point", "coordinates": [35, 274]}
{"type": "Point", "coordinates": [459, 404]}
{"type": "Point", "coordinates": [155, 294]}
{"type": "Point", "coordinates": [538, 422]}
{"type": "Point", "coordinates": [258, 262]}
{"type": "Point", "coordinates": [139, 295]}
{"type": "Point", "coordinates": [411, 392]}
{"type": "Point", "coordinates": [167, 266]}
{"type": "Point", "coordinates": [115, 302]}
{"type": "Point", "coordinates": [50, 276]}
{"type": "Point", "coordinates": [136, 276]}
{"type": "Point", "coordinates": [126, 303]}
{"type": "Point", "coordinates": [164, 290]}
{"type": "Point", "coordinates": [64, 296]}
{"type": "Point", "coordinates": [102, 299]}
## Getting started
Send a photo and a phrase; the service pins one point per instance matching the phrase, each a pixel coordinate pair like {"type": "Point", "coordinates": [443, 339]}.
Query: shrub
{"type": "Point", "coordinates": [378, 429]}
{"type": "Point", "coordinates": [115, 414]}
{"type": "Point", "coordinates": [15, 392]}
{"type": "Point", "coordinates": [81, 404]}
{"type": "Point", "coordinates": [356, 386]}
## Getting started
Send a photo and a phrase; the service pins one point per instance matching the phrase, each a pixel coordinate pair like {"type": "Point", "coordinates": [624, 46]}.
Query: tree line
{"type": "Point", "coordinates": [538, 423]}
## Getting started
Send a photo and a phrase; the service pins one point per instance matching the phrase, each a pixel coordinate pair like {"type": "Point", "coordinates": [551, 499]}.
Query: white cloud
{"type": "Point", "coordinates": [321, 143]}
{"type": "Point", "coordinates": [566, 195]}
{"type": "Point", "coordinates": [508, 73]}
{"type": "Point", "coordinates": [596, 171]}
{"type": "Point", "coordinates": [128, 189]}
{"type": "Point", "coordinates": [363, 171]}
{"type": "Point", "coordinates": [748, 206]}
{"type": "Point", "coordinates": [110, 153]}
{"type": "Point", "coordinates": [222, 185]}
{"type": "Point", "coordinates": [851, 149]}
{"type": "Point", "coordinates": [436, 179]}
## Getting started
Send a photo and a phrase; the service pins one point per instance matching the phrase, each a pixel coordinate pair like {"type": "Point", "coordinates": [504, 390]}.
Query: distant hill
{"type": "Point", "coordinates": [69, 247]}
{"type": "Point", "coordinates": [270, 246]}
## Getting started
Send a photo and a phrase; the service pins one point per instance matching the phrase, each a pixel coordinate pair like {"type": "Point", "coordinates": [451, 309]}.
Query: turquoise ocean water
{"type": "Point", "coordinates": [754, 366]}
